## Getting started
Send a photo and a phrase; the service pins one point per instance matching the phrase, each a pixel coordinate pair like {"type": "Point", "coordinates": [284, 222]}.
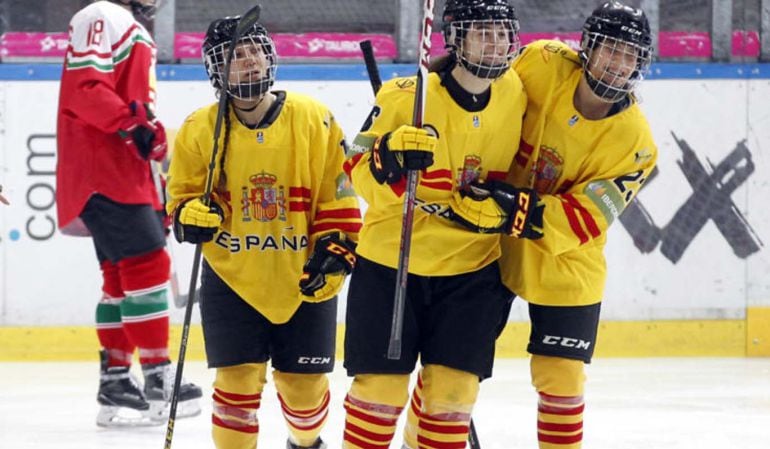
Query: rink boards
{"type": "Point", "coordinates": [689, 272]}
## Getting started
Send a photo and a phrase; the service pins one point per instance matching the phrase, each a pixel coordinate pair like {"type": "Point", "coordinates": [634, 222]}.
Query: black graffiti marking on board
{"type": "Point", "coordinates": [710, 201]}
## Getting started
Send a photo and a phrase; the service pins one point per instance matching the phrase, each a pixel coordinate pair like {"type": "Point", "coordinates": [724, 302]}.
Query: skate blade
{"type": "Point", "coordinates": [159, 410]}
{"type": "Point", "coordinates": [117, 417]}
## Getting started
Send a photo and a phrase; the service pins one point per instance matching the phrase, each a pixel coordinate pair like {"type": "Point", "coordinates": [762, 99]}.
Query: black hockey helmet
{"type": "Point", "coordinates": [145, 9]}
{"type": "Point", "coordinates": [214, 51]}
{"type": "Point", "coordinates": [618, 28]}
{"type": "Point", "coordinates": [461, 15]}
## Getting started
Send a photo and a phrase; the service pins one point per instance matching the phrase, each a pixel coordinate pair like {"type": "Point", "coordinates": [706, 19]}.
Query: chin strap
{"type": "Point", "coordinates": [246, 109]}
{"type": "Point", "coordinates": [256, 105]}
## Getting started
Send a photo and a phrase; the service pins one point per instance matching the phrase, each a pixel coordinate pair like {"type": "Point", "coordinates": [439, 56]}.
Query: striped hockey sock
{"type": "Point", "coordinates": [109, 327]}
{"type": "Point", "coordinates": [112, 338]}
{"type": "Point", "coordinates": [236, 399]}
{"type": "Point", "coordinates": [304, 402]}
{"type": "Point", "coordinates": [369, 425]}
{"type": "Point", "coordinates": [559, 422]}
{"type": "Point", "coordinates": [145, 320]}
{"type": "Point", "coordinates": [443, 402]}
{"type": "Point", "coordinates": [144, 311]}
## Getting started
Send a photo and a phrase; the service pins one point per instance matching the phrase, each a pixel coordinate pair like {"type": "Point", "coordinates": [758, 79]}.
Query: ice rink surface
{"type": "Point", "coordinates": [685, 403]}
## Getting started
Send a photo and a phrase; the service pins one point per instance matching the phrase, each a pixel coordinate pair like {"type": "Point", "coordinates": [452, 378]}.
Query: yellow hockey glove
{"type": "Point", "coordinates": [195, 222]}
{"type": "Point", "coordinates": [406, 148]}
{"type": "Point", "coordinates": [497, 207]}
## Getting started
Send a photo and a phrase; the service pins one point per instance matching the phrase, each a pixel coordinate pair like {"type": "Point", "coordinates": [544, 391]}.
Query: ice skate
{"type": "Point", "coordinates": [122, 402]}
{"type": "Point", "coordinates": [158, 386]}
{"type": "Point", "coordinates": [319, 444]}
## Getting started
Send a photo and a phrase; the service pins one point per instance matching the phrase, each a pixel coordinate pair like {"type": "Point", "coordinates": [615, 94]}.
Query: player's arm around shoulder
{"type": "Point", "coordinates": [544, 56]}
{"type": "Point", "coordinates": [580, 217]}
{"type": "Point", "coordinates": [515, 90]}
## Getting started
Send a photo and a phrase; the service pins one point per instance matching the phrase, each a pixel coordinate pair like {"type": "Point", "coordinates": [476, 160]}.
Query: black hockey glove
{"type": "Point", "coordinates": [143, 133]}
{"type": "Point", "coordinates": [333, 257]}
{"type": "Point", "coordinates": [498, 207]}
{"type": "Point", "coordinates": [406, 148]}
{"type": "Point", "coordinates": [195, 222]}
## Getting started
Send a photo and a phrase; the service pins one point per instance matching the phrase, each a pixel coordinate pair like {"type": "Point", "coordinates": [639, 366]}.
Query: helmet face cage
{"type": "Point", "coordinates": [613, 67]}
{"type": "Point", "coordinates": [483, 35]}
{"type": "Point", "coordinates": [484, 47]}
{"type": "Point", "coordinates": [616, 50]}
{"type": "Point", "coordinates": [252, 68]}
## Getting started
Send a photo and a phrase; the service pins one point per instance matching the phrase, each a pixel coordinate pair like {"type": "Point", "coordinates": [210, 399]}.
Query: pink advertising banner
{"type": "Point", "coordinates": [322, 46]}
{"type": "Point", "coordinates": [33, 45]}
{"type": "Point", "coordinates": [344, 46]}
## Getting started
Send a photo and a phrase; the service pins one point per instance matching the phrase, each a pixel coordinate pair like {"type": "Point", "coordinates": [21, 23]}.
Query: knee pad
{"type": "Point", "coordinates": [111, 282]}
{"type": "Point", "coordinates": [145, 273]}
{"type": "Point", "coordinates": [386, 389]}
{"type": "Point", "coordinates": [144, 280]}
{"type": "Point", "coordinates": [246, 379]}
{"type": "Point", "coordinates": [448, 390]}
{"type": "Point", "coordinates": [305, 405]}
{"type": "Point", "coordinates": [557, 376]}
{"type": "Point", "coordinates": [237, 397]}
{"type": "Point", "coordinates": [301, 391]}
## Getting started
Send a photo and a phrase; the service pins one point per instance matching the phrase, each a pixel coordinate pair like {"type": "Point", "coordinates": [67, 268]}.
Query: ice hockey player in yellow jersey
{"type": "Point", "coordinates": [587, 150]}
{"type": "Point", "coordinates": [455, 299]}
{"type": "Point", "coordinates": [278, 239]}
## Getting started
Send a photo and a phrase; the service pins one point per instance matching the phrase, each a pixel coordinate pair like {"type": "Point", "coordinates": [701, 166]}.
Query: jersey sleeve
{"type": "Point", "coordinates": [392, 108]}
{"type": "Point", "coordinates": [189, 165]}
{"type": "Point", "coordinates": [96, 46]}
{"type": "Point", "coordinates": [584, 212]}
{"type": "Point", "coordinates": [337, 208]}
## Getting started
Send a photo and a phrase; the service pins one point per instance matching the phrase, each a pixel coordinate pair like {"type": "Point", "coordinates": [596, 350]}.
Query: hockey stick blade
{"type": "Point", "coordinates": [248, 19]}
{"type": "Point", "coordinates": [371, 65]}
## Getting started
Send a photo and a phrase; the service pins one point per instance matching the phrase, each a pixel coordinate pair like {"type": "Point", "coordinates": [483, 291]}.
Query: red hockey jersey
{"type": "Point", "coordinates": [110, 62]}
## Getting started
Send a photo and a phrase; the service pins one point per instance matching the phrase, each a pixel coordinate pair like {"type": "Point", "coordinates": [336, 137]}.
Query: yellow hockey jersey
{"type": "Point", "coordinates": [471, 145]}
{"type": "Point", "coordinates": [284, 187]}
{"type": "Point", "coordinates": [586, 171]}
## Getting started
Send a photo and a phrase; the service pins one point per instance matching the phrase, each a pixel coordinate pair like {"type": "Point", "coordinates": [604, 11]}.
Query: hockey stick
{"type": "Point", "coordinates": [376, 81]}
{"type": "Point", "coordinates": [246, 22]}
{"type": "Point", "coordinates": [397, 325]}
{"type": "Point", "coordinates": [473, 437]}
{"type": "Point", "coordinates": [371, 65]}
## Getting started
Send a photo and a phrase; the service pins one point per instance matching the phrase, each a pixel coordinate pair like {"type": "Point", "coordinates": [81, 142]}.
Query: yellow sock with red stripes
{"type": "Point", "coordinates": [559, 383]}
{"type": "Point", "coordinates": [440, 412]}
{"type": "Point", "coordinates": [305, 404]}
{"type": "Point", "coordinates": [413, 412]}
{"type": "Point", "coordinates": [373, 405]}
{"type": "Point", "coordinates": [237, 396]}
